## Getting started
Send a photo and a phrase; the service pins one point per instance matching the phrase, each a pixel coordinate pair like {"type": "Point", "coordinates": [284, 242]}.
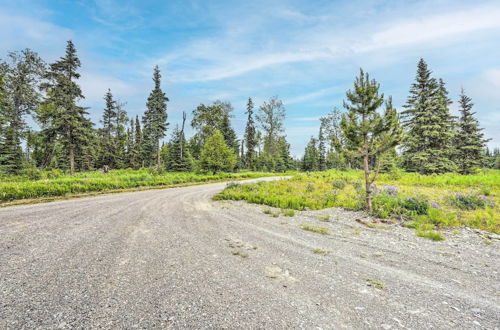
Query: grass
{"type": "Point", "coordinates": [430, 234]}
{"type": "Point", "coordinates": [318, 230]}
{"type": "Point", "coordinates": [324, 217]}
{"type": "Point", "coordinates": [320, 251]}
{"type": "Point", "coordinates": [288, 213]}
{"type": "Point", "coordinates": [52, 184]}
{"type": "Point", "coordinates": [376, 283]}
{"type": "Point", "coordinates": [426, 202]}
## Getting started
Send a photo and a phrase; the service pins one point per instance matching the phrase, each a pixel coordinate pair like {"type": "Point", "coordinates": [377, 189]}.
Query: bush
{"type": "Point", "coordinates": [470, 201]}
{"type": "Point", "coordinates": [339, 183]}
{"type": "Point", "coordinates": [52, 174]}
{"type": "Point", "coordinates": [417, 204]}
{"type": "Point", "coordinates": [31, 173]}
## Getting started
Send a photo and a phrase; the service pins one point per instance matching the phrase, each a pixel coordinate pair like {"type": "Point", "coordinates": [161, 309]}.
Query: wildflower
{"type": "Point", "coordinates": [434, 205]}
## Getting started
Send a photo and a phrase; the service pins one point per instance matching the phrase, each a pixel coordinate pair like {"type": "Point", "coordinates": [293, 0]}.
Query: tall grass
{"type": "Point", "coordinates": [19, 187]}
{"type": "Point", "coordinates": [429, 202]}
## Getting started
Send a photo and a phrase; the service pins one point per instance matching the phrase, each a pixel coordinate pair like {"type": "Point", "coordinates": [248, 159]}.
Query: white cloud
{"type": "Point", "coordinates": [313, 95]}
{"type": "Point", "coordinates": [426, 29]}
{"type": "Point", "coordinates": [17, 32]}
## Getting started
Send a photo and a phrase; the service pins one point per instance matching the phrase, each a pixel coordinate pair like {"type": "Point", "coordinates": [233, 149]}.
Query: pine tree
{"type": "Point", "coordinates": [369, 134]}
{"type": "Point", "coordinates": [130, 144]}
{"type": "Point", "coordinates": [136, 157]}
{"type": "Point", "coordinates": [310, 162]}
{"type": "Point", "coordinates": [177, 158]}
{"type": "Point", "coordinates": [60, 113]}
{"type": "Point", "coordinates": [429, 126]}
{"type": "Point", "coordinates": [107, 146]}
{"type": "Point", "coordinates": [321, 149]}
{"type": "Point", "coordinates": [20, 80]}
{"type": "Point", "coordinates": [250, 137]}
{"type": "Point", "coordinates": [216, 156]}
{"type": "Point", "coordinates": [470, 141]}
{"type": "Point", "coordinates": [154, 121]}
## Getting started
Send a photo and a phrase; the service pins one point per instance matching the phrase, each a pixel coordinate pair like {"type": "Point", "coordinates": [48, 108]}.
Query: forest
{"type": "Point", "coordinates": [367, 134]}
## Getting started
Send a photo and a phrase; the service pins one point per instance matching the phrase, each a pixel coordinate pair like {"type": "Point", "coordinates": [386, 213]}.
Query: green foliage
{"type": "Point", "coordinates": [422, 199]}
{"type": "Point", "coordinates": [318, 230]}
{"type": "Point", "coordinates": [61, 118]}
{"type": "Point", "coordinates": [216, 156]}
{"type": "Point", "coordinates": [430, 234]}
{"type": "Point", "coordinates": [154, 122]}
{"type": "Point", "coordinates": [470, 201]}
{"type": "Point", "coordinates": [429, 125]}
{"type": "Point", "coordinates": [368, 134]}
{"type": "Point", "coordinates": [470, 141]}
{"type": "Point", "coordinates": [178, 158]}
{"type": "Point", "coordinates": [54, 183]}
{"type": "Point", "coordinates": [288, 213]}
{"type": "Point", "coordinates": [251, 138]}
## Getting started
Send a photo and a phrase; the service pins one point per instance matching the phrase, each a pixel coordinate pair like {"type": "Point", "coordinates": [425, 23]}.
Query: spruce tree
{"type": "Point", "coordinates": [60, 112]}
{"type": "Point", "coordinates": [154, 121]}
{"type": "Point", "coordinates": [321, 149]}
{"type": "Point", "coordinates": [250, 137]}
{"type": "Point", "coordinates": [107, 146]}
{"type": "Point", "coordinates": [310, 161]}
{"type": "Point", "coordinates": [136, 158]}
{"type": "Point", "coordinates": [20, 78]}
{"type": "Point", "coordinates": [369, 134]}
{"type": "Point", "coordinates": [470, 141]}
{"type": "Point", "coordinates": [429, 126]}
{"type": "Point", "coordinates": [178, 159]}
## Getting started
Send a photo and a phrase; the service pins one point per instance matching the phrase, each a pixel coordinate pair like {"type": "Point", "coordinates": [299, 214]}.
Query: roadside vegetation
{"type": "Point", "coordinates": [42, 184]}
{"type": "Point", "coordinates": [423, 202]}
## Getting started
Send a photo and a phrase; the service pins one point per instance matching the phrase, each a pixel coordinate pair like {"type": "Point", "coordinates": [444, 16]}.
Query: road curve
{"type": "Point", "coordinates": [174, 258]}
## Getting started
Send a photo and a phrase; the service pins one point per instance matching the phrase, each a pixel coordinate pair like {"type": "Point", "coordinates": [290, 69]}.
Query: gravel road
{"type": "Point", "coordinates": [174, 258]}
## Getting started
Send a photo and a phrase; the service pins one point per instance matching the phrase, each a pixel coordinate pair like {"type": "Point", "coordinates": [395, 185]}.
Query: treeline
{"type": "Point", "coordinates": [50, 95]}
{"type": "Point", "coordinates": [434, 141]}
{"type": "Point", "coordinates": [427, 138]}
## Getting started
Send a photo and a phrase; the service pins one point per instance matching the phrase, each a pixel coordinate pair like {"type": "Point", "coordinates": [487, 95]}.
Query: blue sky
{"type": "Point", "coordinates": [306, 52]}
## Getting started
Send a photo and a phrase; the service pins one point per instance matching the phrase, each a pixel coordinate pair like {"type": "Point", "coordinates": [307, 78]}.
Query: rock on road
{"type": "Point", "coordinates": [173, 258]}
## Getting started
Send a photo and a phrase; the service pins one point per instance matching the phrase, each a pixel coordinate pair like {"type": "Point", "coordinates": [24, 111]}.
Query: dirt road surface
{"type": "Point", "coordinates": [174, 258]}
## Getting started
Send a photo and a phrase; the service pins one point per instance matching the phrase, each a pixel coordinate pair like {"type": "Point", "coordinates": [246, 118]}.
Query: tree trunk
{"type": "Point", "coordinates": [158, 158]}
{"type": "Point", "coordinates": [72, 160]}
{"type": "Point", "coordinates": [368, 185]}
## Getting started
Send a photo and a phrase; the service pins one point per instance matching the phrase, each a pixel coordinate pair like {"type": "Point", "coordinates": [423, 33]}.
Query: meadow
{"type": "Point", "coordinates": [50, 184]}
{"type": "Point", "coordinates": [423, 202]}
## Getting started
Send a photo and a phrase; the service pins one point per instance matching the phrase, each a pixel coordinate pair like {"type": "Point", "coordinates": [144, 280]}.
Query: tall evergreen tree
{"type": "Point", "coordinates": [60, 113]}
{"type": "Point", "coordinates": [429, 126]}
{"type": "Point", "coordinates": [370, 135]}
{"type": "Point", "coordinates": [321, 149]}
{"type": "Point", "coordinates": [154, 121]}
{"type": "Point", "coordinates": [136, 157]}
{"type": "Point", "coordinates": [250, 137]}
{"type": "Point", "coordinates": [310, 161]}
{"type": "Point", "coordinates": [20, 78]}
{"type": "Point", "coordinates": [178, 159]}
{"type": "Point", "coordinates": [470, 141]}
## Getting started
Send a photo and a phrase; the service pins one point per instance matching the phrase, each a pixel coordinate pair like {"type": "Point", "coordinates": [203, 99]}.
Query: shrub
{"type": "Point", "coordinates": [31, 173]}
{"type": "Point", "coordinates": [417, 204]}
{"type": "Point", "coordinates": [470, 201]}
{"type": "Point", "coordinates": [339, 183]}
{"type": "Point", "coordinates": [52, 174]}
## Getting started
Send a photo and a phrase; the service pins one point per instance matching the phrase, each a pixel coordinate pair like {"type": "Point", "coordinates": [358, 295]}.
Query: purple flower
{"type": "Point", "coordinates": [435, 206]}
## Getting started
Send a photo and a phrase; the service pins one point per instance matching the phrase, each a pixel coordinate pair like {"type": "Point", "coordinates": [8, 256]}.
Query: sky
{"type": "Point", "coordinates": [305, 52]}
